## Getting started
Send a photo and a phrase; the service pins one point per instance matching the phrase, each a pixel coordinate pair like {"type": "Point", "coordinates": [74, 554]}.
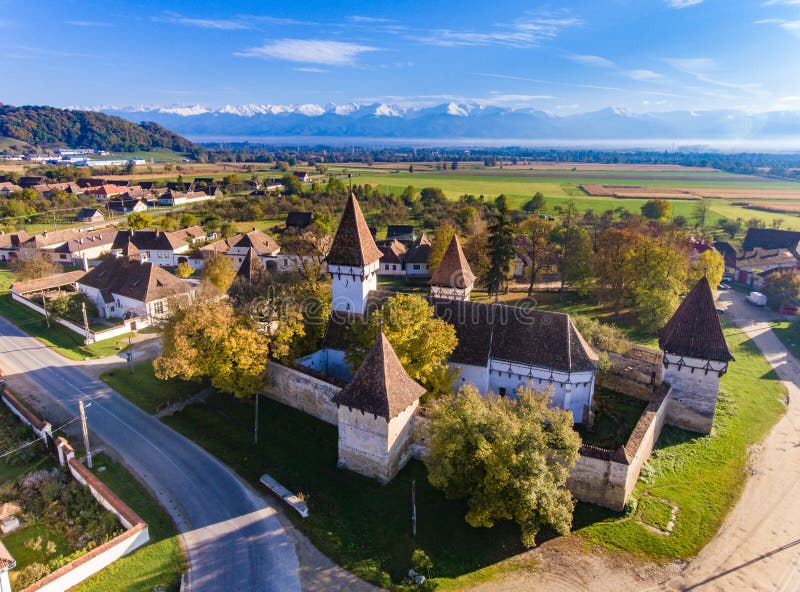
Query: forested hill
{"type": "Point", "coordinates": [51, 127]}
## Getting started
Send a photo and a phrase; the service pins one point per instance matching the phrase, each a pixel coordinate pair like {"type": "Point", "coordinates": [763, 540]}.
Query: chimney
{"type": "Point", "coordinates": [85, 261]}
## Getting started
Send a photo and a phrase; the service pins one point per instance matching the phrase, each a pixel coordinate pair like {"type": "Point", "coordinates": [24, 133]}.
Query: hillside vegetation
{"type": "Point", "coordinates": [51, 127]}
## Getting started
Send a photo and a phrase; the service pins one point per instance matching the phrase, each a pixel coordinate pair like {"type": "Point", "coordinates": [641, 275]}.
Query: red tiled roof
{"type": "Point", "coordinates": [694, 330]}
{"type": "Point", "coordinates": [353, 244]}
{"type": "Point", "coordinates": [381, 386]}
{"type": "Point", "coordinates": [454, 270]}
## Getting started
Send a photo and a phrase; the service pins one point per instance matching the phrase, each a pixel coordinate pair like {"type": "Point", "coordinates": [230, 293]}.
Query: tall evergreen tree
{"type": "Point", "coordinates": [501, 250]}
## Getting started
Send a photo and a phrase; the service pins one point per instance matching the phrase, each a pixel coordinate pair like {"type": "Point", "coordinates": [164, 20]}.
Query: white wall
{"type": "Point", "coordinates": [350, 289]}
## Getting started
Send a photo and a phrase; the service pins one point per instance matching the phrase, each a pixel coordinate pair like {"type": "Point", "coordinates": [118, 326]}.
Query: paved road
{"type": "Point", "coordinates": [758, 546]}
{"type": "Point", "coordinates": [233, 538]}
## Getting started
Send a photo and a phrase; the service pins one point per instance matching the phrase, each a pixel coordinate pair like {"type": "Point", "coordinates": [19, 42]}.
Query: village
{"type": "Point", "coordinates": [368, 330]}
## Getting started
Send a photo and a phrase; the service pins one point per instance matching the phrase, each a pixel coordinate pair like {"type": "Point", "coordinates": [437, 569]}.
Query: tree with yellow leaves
{"type": "Point", "coordinates": [422, 342]}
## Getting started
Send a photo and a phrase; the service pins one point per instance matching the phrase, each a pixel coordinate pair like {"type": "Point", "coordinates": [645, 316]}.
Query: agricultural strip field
{"type": "Point", "coordinates": [559, 187]}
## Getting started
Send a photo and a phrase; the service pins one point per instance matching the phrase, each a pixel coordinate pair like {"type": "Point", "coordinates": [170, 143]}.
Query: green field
{"type": "Point", "coordinates": [563, 185]}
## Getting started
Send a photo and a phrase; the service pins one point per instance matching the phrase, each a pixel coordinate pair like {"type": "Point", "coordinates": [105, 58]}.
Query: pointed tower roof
{"type": "Point", "coordinates": [252, 268]}
{"type": "Point", "coordinates": [381, 386]}
{"type": "Point", "coordinates": [694, 330]}
{"type": "Point", "coordinates": [453, 270]}
{"type": "Point", "coordinates": [353, 244]}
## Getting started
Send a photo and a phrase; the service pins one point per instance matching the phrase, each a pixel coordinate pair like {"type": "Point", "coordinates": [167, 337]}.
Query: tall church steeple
{"type": "Point", "coordinates": [453, 279]}
{"type": "Point", "coordinates": [353, 260]}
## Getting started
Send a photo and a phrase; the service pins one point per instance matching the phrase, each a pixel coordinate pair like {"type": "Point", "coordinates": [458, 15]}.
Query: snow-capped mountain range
{"type": "Point", "coordinates": [454, 121]}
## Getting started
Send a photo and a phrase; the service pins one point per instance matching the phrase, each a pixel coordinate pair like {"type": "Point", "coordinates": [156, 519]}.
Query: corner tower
{"type": "Point", "coordinates": [353, 261]}
{"type": "Point", "coordinates": [696, 356]}
{"type": "Point", "coordinates": [376, 415]}
{"type": "Point", "coordinates": [453, 279]}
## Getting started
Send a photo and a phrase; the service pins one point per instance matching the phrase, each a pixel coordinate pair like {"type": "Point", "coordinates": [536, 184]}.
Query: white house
{"type": "Point", "coordinates": [162, 248]}
{"type": "Point", "coordinates": [128, 288]}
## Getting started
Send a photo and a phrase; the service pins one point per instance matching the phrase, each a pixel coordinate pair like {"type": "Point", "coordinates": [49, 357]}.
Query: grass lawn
{"type": "Point", "coordinates": [615, 417]}
{"type": "Point", "coordinates": [654, 512]}
{"type": "Point", "coordinates": [789, 334]}
{"type": "Point", "coordinates": [12, 436]}
{"type": "Point", "coordinates": [25, 554]}
{"type": "Point", "coordinates": [703, 475]}
{"type": "Point", "coordinates": [145, 390]}
{"type": "Point", "coordinates": [160, 562]}
{"type": "Point", "coordinates": [362, 525]}
{"type": "Point", "coordinates": [68, 344]}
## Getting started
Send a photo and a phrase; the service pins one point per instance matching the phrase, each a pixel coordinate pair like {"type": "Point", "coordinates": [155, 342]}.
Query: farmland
{"type": "Point", "coordinates": [722, 191]}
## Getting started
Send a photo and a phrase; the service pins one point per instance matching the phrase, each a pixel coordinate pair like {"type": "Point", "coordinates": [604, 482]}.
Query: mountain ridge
{"type": "Point", "coordinates": [455, 120]}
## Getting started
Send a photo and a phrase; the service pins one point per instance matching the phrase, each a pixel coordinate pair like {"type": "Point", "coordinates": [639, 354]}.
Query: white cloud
{"type": "Point", "coordinates": [591, 60]}
{"type": "Point", "coordinates": [202, 23]}
{"type": "Point", "coordinates": [705, 70]}
{"type": "Point", "coordinates": [87, 23]}
{"type": "Point", "coordinates": [528, 31]}
{"type": "Point", "coordinates": [683, 3]}
{"type": "Point", "coordinates": [313, 70]}
{"type": "Point", "coordinates": [356, 18]}
{"type": "Point", "coordinates": [643, 75]}
{"type": "Point", "coordinates": [519, 98]}
{"type": "Point", "coordinates": [782, 2]}
{"type": "Point", "coordinates": [329, 53]}
{"type": "Point", "coordinates": [791, 26]}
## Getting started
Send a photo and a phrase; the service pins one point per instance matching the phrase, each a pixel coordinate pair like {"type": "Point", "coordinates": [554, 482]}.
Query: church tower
{"type": "Point", "coordinates": [696, 356]}
{"type": "Point", "coordinates": [453, 279]}
{"type": "Point", "coordinates": [353, 261]}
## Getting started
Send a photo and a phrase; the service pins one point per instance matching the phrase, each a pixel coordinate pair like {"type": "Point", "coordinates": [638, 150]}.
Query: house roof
{"type": "Point", "coordinates": [188, 234]}
{"type": "Point", "coordinates": [727, 251]}
{"type": "Point", "coordinates": [399, 231]}
{"type": "Point", "coordinates": [420, 251]}
{"type": "Point", "coordinates": [92, 240]}
{"type": "Point", "coordinates": [252, 268]}
{"type": "Point", "coordinates": [299, 219]}
{"type": "Point", "coordinates": [133, 279]}
{"type": "Point", "coordinates": [10, 186]}
{"type": "Point", "coordinates": [694, 330]}
{"type": "Point", "coordinates": [13, 240]}
{"type": "Point", "coordinates": [518, 335]}
{"type": "Point", "coordinates": [392, 251]}
{"type": "Point", "coordinates": [454, 270]}
{"type": "Point", "coordinates": [148, 240]}
{"type": "Point", "coordinates": [6, 560]}
{"type": "Point", "coordinates": [759, 259]}
{"type": "Point", "coordinates": [255, 239]}
{"type": "Point", "coordinates": [88, 213]}
{"type": "Point", "coordinates": [770, 238]}
{"type": "Point", "coordinates": [353, 244]}
{"type": "Point", "coordinates": [57, 237]}
{"type": "Point", "coordinates": [9, 509]}
{"type": "Point", "coordinates": [48, 283]}
{"type": "Point", "coordinates": [381, 386]}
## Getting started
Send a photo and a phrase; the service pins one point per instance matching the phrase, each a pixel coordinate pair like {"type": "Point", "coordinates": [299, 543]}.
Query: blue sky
{"type": "Point", "coordinates": [562, 57]}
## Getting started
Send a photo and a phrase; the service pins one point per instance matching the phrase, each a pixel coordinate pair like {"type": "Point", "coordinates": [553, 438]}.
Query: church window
{"type": "Point", "coordinates": [502, 391]}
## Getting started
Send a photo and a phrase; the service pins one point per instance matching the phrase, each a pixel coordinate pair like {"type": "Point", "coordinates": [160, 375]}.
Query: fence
{"type": "Point", "coordinates": [136, 530]}
{"type": "Point", "coordinates": [90, 336]}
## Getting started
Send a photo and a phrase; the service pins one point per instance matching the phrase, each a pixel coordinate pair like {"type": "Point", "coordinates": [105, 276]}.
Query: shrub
{"type": "Point", "coordinates": [30, 575]}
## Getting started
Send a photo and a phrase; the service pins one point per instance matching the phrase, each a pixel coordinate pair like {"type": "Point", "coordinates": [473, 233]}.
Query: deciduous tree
{"type": "Point", "coordinates": [207, 339]}
{"type": "Point", "coordinates": [782, 288]}
{"type": "Point", "coordinates": [219, 272]}
{"type": "Point", "coordinates": [138, 221]}
{"type": "Point", "coordinates": [441, 240]}
{"type": "Point", "coordinates": [508, 458]}
{"type": "Point", "coordinates": [536, 245]}
{"type": "Point", "coordinates": [710, 264]}
{"type": "Point", "coordinates": [421, 341]}
{"type": "Point", "coordinates": [657, 209]}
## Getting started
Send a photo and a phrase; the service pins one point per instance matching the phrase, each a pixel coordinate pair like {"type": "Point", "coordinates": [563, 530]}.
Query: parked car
{"type": "Point", "coordinates": [723, 287]}
{"type": "Point", "coordinates": [757, 298]}
{"type": "Point", "coordinates": [789, 309]}
{"type": "Point", "coordinates": [727, 278]}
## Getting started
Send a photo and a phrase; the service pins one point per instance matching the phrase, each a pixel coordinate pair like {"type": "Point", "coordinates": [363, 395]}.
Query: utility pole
{"type": "Point", "coordinates": [85, 435]}
{"type": "Point", "coordinates": [44, 306]}
{"type": "Point", "coordinates": [85, 324]}
{"type": "Point", "coordinates": [255, 427]}
{"type": "Point", "coordinates": [413, 508]}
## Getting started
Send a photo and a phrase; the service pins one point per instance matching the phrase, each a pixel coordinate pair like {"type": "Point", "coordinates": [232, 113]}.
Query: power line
{"type": "Point", "coordinates": [32, 442]}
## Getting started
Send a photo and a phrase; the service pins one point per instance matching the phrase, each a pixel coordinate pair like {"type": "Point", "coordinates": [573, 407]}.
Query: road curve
{"type": "Point", "coordinates": [233, 538]}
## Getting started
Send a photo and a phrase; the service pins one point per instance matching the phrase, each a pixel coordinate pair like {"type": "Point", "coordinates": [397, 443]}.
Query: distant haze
{"type": "Point", "coordinates": [464, 124]}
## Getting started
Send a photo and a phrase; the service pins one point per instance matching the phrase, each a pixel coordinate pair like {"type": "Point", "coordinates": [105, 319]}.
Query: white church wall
{"type": "Point", "coordinates": [695, 386]}
{"type": "Point", "coordinates": [352, 285]}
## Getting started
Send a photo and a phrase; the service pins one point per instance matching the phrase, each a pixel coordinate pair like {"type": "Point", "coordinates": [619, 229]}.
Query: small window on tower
{"type": "Point", "coordinates": [502, 391]}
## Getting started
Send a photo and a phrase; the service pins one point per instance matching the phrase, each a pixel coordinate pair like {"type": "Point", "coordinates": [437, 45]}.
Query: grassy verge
{"type": "Point", "coordinates": [703, 475]}
{"type": "Point", "coordinates": [789, 334]}
{"type": "Point", "coordinates": [160, 562]}
{"type": "Point", "coordinates": [68, 344]}
{"type": "Point", "coordinates": [142, 388]}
